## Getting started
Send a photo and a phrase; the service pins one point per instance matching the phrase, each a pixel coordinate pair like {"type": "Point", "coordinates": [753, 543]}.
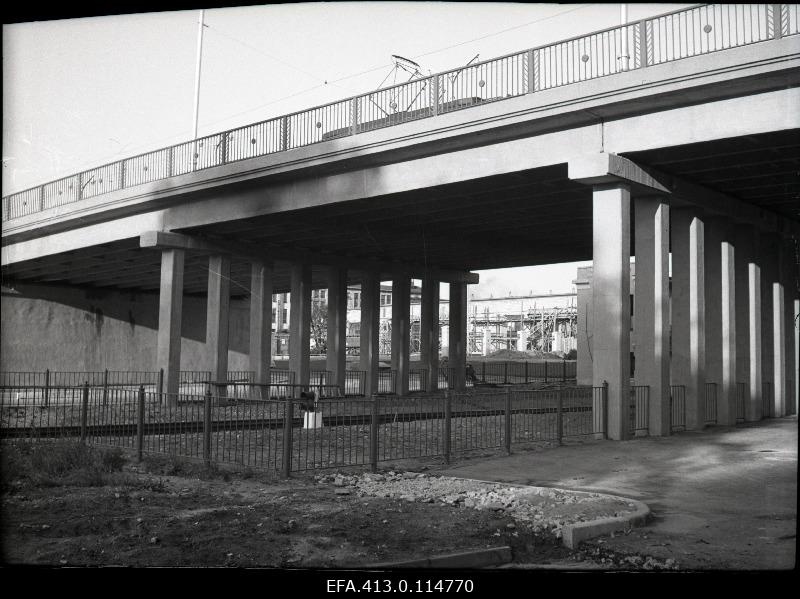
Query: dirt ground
{"type": "Point", "coordinates": [167, 512]}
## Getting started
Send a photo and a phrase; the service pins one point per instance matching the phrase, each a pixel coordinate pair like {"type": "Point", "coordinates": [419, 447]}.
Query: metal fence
{"type": "Point", "coordinates": [741, 391]}
{"type": "Point", "coordinates": [677, 399]}
{"type": "Point", "coordinates": [510, 373]}
{"type": "Point", "coordinates": [664, 38]}
{"type": "Point", "coordinates": [710, 403]}
{"type": "Point", "coordinates": [288, 435]}
{"type": "Point", "coordinates": [640, 409]}
{"type": "Point", "coordinates": [767, 400]}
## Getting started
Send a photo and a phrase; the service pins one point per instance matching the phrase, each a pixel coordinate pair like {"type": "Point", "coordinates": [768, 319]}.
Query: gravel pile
{"type": "Point", "coordinates": [542, 510]}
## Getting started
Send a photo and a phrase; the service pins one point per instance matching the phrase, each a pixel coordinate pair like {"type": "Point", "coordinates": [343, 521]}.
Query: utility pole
{"type": "Point", "coordinates": [200, 25]}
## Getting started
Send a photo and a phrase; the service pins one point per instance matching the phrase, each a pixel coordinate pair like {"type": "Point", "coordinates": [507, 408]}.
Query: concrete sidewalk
{"type": "Point", "coordinates": [722, 498]}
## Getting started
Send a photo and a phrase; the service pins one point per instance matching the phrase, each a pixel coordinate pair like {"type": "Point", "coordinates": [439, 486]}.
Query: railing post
{"type": "Point", "coordinates": [47, 387]}
{"type": "Point", "coordinates": [171, 161]}
{"type": "Point", "coordinates": [224, 148]}
{"type": "Point", "coordinates": [80, 186]}
{"type": "Point", "coordinates": [531, 75]}
{"type": "Point", "coordinates": [140, 424]}
{"type": "Point", "coordinates": [526, 372]}
{"type": "Point", "coordinates": [535, 70]}
{"type": "Point", "coordinates": [287, 436]}
{"type": "Point", "coordinates": [84, 410]}
{"type": "Point", "coordinates": [105, 387]}
{"type": "Point", "coordinates": [643, 45]}
{"type": "Point", "coordinates": [41, 201]}
{"type": "Point", "coordinates": [122, 174]}
{"type": "Point", "coordinates": [354, 116]}
{"type": "Point", "coordinates": [161, 385]}
{"type": "Point", "coordinates": [207, 427]}
{"type": "Point", "coordinates": [483, 372]}
{"type": "Point", "coordinates": [448, 415]}
{"type": "Point", "coordinates": [505, 373]}
{"type": "Point", "coordinates": [545, 371]}
{"type": "Point", "coordinates": [373, 435]}
{"type": "Point", "coordinates": [284, 133]}
{"type": "Point", "coordinates": [605, 409]}
{"type": "Point", "coordinates": [560, 416]}
{"type": "Point", "coordinates": [777, 21]}
{"type": "Point", "coordinates": [435, 95]}
{"type": "Point", "coordinates": [508, 420]}
{"type": "Point", "coordinates": [564, 371]}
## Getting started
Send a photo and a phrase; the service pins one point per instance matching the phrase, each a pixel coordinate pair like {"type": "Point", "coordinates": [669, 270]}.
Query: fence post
{"type": "Point", "coordinates": [526, 372]}
{"type": "Point", "coordinates": [777, 21]}
{"type": "Point", "coordinates": [448, 413]}
{"type": "Point", "coordinates": [545, 371]}
{"type": "Point", "coordinates": [642, 43]}
{"type": "Point", "coordinates": [560, 416]}
{"type": "Point", "coordinates": [505, 373]}
{"type": "Point", "coordinates": [161, 385]}
{"type": "Point", "coordinates": [373, 435]}
{"type": "Point", "coordinates": [605, 410]}
{"type": "Point", "coordinates": [140, 424]}
{"type": "Point", "coordinates": [287, 436]}
{"type": "Point", "coordinates": [207, 427]}
{"type": "Point", "coordinates": [508, 420]}
{"type": "Point", "coordinates": [84, 410]}
{"type": "Point", "coordinates": [105, 387]}
{"type": "Point", "coordinates": [47, 387]}
{"type": "Point", "coordinates": [564, 371]}
{"type": "Point", "coordinates": [483, 372]}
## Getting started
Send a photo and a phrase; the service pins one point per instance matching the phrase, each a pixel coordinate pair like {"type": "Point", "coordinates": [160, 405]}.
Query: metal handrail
{"type": "Point", "coordinates": [285, 136]}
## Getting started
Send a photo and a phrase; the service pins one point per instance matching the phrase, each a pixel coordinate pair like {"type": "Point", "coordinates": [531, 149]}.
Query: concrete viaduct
{"type": "Point", "coordinates": [687, 154]}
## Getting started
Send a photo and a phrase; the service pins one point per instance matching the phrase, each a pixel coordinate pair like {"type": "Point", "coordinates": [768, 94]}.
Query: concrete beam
{"type": "Point", "coordinates": [604, 168]}
{"type": "Point", "coordinates": [164, 239]}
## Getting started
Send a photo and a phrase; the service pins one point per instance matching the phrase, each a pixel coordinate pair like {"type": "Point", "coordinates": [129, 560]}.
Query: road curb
{"type": "Point", "coordinates": [479, 558]}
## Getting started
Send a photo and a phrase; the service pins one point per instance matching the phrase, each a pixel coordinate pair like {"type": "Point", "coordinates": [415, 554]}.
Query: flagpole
{"type": "Point", "coordinates": [195, 117]}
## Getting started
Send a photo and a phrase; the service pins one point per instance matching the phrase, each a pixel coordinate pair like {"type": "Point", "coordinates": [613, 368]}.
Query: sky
{"type": "Point", "coordinates": [82, 92]}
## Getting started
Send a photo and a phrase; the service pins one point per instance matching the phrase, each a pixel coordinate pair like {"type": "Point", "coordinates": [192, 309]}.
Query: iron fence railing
{"type": "Point", "coordinates": [710, 403]}
{"type": "Point", "coordinates": [767, 400]}
{"type": "Point", "coordinates": [510, 373]}
{"type": "Point", "coordinates": [640, 409]}
{"type": "Point", "coordinates": [677, 398]}
{"type": "Point", "coordinates": [741, 391]}
{"type": "Point", "coordinates": [288, 435]}
{"type": "Point", "coordinates": [663, 38]}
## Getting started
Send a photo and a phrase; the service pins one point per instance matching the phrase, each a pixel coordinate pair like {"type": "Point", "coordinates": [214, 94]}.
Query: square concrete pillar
{"type": "Point", "coordinates": [169, 320]}
{"type": "Point", "coordinates": [336, 358]}
{"type": "Point", "coordinates": [779, 347]}
{"type": "Point", "coordinates": [790, 290]}
{"type": "Point", "coordinates": [767, 260]}
{"type": "Point", "coordinates": [727, 405]}
{"type": "Point", "coordinates": [370, 332]}
{"type": "Point", "coordinates": [748, 322]}
{"type": "Point", "coordinates": [796, 321]}
{"type": "Point", "coordinates": [401, 331]}
{"type": "Point", "coordinates": [612, 304]}
{"type": "Point", "coordinates": [260, 327]}
{"type": "Point", "coordinates": [457, 342]}
{"type": "Point", "coordinates": [217, 313]}
{"type": "Point", "coordinates": [429, 331]}
{"type": "Point", "coordinates": [651, 309]}
{"type": "Point", "coordinates": [688, 312]}
{"type": "Point", "coordinates": [300, 324]}
{"type": "Point", "coordinates": [583, 286]}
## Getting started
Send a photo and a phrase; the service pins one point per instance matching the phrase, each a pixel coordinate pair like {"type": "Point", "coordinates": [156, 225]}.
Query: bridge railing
{"type": "Point", "coordinates": [664, 38]}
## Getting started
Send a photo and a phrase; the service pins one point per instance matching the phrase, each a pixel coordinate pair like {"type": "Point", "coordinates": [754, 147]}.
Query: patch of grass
{"type": "Point", "coordinates": [171, 465]}
{"type": "Point", "coordinates": [60, 462]}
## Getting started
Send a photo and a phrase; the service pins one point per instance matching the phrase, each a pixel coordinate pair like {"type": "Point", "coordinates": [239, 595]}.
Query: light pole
{"type": "Point", "coordinates": [195, 149]}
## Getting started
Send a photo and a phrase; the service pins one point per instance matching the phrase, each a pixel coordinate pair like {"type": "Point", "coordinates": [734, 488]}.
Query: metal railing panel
{"type": "Point", "coordinates": [677, 396]}
{"type": "Point", "coordinates": [640, 408]}
{"type": "Point", "coordinates": [710, 403]}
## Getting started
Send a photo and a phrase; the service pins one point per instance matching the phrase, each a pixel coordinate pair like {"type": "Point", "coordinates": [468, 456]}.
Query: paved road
{"type": "Point", "coordinates": [722, 498]}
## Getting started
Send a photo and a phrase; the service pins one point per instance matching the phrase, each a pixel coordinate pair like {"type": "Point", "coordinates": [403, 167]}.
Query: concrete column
{"type": "Point", "coordinates": [260, 326]}
{"type": "Point", "coordinates": [300, 324]}
{"type": "Point", "coordinates": [796, 321]}
{"type": "Point", "coordinates": [748, 322]}
{"type": "Point", "coordinates": [217, 312]}
{"type": "Point", "coordinates": [457, 342]}
{"type": "Point", "coordinates": [720, 318]}
{"type": "Point", "coordinates": [429, 331]}
{"type": "Point", "coordinates": [651, 309]}
{"type": "Point", "coordinates": [487, 341]}
{"type": "Point", "coordinates": [583, 286]}
{"type": "Point", "coordinates": [779, 333]}
{"type": "Point", "coordinates": [336, 358]}
{"type": "Point", "coordinates": [611, 303]}
{"type": "Point", "coordinates": [767, 259]}
{"type": "Point", "coordinates": [688, 311]}
{"type": "Point", "coordinates": [401, 330]}
{"type": "Point", "coordinates": [790, 287]}
{"type": "Point", "coordinates": [370, 323]}
{"type": "Point", "coordinates": [169, 319]}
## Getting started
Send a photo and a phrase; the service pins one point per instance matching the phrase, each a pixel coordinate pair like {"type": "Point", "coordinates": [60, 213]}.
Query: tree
{"type": "Point", "coordinates": [319, 327]}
